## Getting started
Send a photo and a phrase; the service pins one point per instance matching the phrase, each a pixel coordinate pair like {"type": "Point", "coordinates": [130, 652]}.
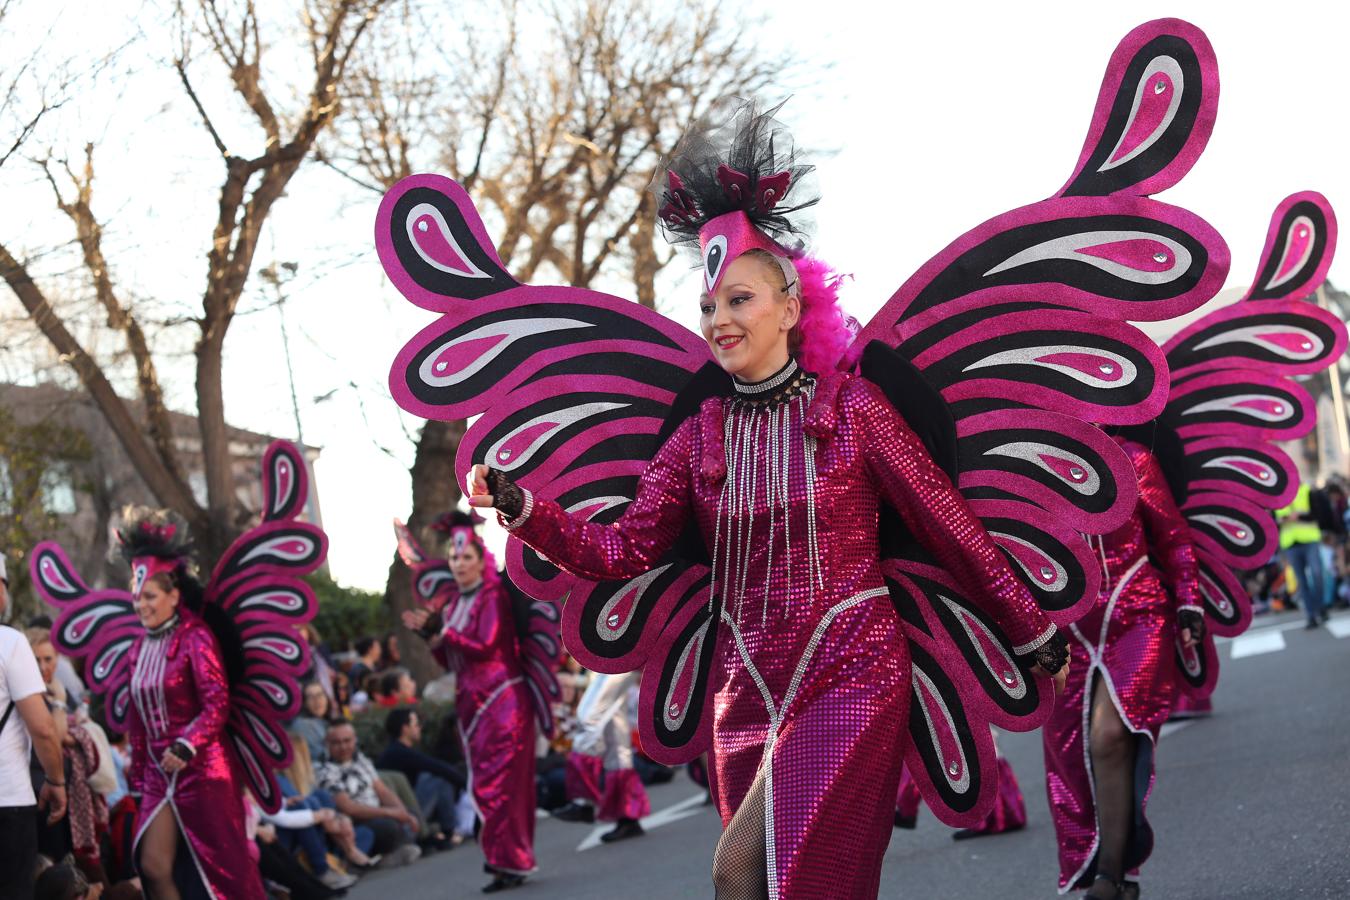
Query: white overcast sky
{"type": "Point", "coordinates": [936, 118]}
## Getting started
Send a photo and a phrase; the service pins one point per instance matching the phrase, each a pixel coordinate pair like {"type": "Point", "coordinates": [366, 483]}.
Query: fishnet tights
{"type": "Point", "coordinates": [741, 862]}
{"type": "Point", "coordinates": [1113, 747]}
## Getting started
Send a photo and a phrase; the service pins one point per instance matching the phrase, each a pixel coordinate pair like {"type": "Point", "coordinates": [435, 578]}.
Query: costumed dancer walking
{"type": "Point", "coordinates": [601, 780]}
{"type": "Point", "coordinates": [504, 681]}
{"type": "Point", "coordinates": [826, 560]}
{"type": "Point", "coordinates": [201, 677]}
{"type": "Point", "coordinates": [1210, 476]}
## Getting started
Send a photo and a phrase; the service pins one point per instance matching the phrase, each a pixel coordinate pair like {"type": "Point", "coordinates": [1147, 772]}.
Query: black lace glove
{"type": "Point", "coordinates": [1195, 621]}
{"type": "Point", "coordinates": [1051, 656]}
{"type": "Point", "coordinates": [507, 497]}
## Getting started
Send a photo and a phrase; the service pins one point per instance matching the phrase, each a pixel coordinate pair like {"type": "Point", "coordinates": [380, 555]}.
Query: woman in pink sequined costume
{"type": "Point", "coordinates": [189, 790]}
{"type": "Point", "coordinates": [787, 479]}
{"type": "Point", "coordinates": [826, 508]}
{"type": "Point", "coordinates": [200, 677]}
{"type": "Point", "coordinates": [191, 798]}
{"type": "Point", "coordinates": [474, 636]}
{"type": "Point", "coordinates": [1120, 690]}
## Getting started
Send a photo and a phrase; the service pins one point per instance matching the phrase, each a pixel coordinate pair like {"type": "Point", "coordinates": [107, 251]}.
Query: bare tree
{"type": "Point", "coordinates": [230, 33]}
{"type": "Point", "coordinates": [555, 117]}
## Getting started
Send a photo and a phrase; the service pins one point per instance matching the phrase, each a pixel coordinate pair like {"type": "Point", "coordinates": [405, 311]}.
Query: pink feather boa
{"type": "Point", "coordinates": [824, 334]}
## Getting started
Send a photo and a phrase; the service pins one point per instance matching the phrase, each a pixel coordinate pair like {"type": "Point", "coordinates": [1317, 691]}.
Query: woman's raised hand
{"type": "Point", "coordinates": [478, 488]}
{"type": "Point", "coordinates": [415, 619]}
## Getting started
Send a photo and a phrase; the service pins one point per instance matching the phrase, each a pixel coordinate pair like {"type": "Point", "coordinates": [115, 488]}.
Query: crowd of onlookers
{"type": "Point", "coordinates": [371, 782]}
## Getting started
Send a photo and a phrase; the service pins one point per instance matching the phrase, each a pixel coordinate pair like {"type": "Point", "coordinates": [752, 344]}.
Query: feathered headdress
{"type": "Point", "coordinates": [734, 184]}
{"type": "Point", "coordinates": [153, 542]}
{"type": "Point", "coordinates": [460, 529]}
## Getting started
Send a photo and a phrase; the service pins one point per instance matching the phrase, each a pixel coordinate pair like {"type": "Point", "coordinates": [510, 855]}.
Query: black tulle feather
{"type": "Point", "coordinates": [743, 136]}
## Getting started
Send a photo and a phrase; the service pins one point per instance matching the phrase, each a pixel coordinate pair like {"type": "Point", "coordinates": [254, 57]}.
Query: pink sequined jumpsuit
{"type": "Point", "coordinates": [496, 721]}
{"type": "Point", "coordinates": [180, 692]}
{"type": "Point", "coordinates": [813, 671]}
{"type": "Point", "coordinates": [1127, 639]}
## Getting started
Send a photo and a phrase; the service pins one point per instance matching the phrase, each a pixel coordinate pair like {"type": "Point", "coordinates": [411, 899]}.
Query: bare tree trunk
{"type": "Point", "coordinates": [435, 490]}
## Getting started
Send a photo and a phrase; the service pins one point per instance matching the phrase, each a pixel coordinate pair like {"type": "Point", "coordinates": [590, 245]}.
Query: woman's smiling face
{"type": "Point", "coordinates": [747, 320]}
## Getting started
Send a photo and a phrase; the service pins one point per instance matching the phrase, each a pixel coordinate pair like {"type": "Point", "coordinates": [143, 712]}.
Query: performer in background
{"type": "Point", "coordinates": [825, 558]}
{"type": "Point", "coordinates": [203, 713]}
{"type": "Point", "coordinates": [471, 626]}
{"type": "Point", "coordinates": [1121, 680]}
{"type": "Point", "coordinates": [1210, 475]}
{"type": "Point", "coordinates": [601, 780]}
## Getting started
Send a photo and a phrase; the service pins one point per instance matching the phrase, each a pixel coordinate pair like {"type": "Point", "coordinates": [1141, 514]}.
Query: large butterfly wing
{"type": "Point", "coordinates": [1022, 324]}
{"type": "Point", "coordinates": [97, 626]}
{"type": "Point", "coordinates": [258, 585]}
{"type": "Point", "coordinates": [1233, 395]}
{"type": "Point", "coordinates": [570, 388]}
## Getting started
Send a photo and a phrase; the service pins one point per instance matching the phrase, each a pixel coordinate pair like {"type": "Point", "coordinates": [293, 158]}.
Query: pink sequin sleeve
{"type": "Point", "coordinates": [635, 542]}
{"type": "Point", "coordinates": [479, 637]}
{"type": "Point", "coordinates": [1168, 534]}
{"type": "Point", "coordinates": [939, 518]}
{"type": "Point", "coordinates": [212, 688]}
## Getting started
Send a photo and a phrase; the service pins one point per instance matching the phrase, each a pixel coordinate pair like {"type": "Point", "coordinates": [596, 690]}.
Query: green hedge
{"type": "Point", "coordinates": [347, 613]}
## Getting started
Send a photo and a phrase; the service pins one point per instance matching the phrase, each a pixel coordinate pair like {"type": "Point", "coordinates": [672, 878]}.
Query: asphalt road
{"type": "Point", "coordinates": [1251, 804]}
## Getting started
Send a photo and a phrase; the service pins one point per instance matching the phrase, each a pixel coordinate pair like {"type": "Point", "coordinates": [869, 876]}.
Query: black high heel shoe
{"type": "Point", "coordinates": [1129, 890]}
{"type": "Point", "coordinates": [503, 882]}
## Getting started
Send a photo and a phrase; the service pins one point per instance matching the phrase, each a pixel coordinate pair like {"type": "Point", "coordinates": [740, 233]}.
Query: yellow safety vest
{"type": "Point", "coordinates": [1294, 531]}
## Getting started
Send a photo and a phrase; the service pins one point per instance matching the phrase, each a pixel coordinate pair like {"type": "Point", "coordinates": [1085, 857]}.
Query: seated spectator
{"type": "Point", "coordinates": [358, 792]}
{"type": "Point", "coordinates": [299, 792]}
{"type": "Point", "coordinates": [312, 723]}
{"type": "Point", "coordinates": [397, 688]}
{"type": "Point", "coordinates": [368, 652]}
{"type": "Point", "coordinates": [342, 698]}
{"type": "Point", "coordinates": [65, 882]}
{"type": "Point", "coordinates": [277, 865]}
{"type": "Point", "coordinates": [437, 784]}
{"type": "Point", "coordinates": [321, 664]}
{"type": "Point", "coordinates": [389, 653]}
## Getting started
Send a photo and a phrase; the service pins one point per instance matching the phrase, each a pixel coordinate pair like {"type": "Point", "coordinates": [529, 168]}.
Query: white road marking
{"type": "Point", "coordinates": [1267, 629]}
{"type": "Point", "coordinates": [1266, 640]}
{"type": "Point", "coordinates": [682, 810]}
{"type": "Point", "coordinates": [1339, 627]}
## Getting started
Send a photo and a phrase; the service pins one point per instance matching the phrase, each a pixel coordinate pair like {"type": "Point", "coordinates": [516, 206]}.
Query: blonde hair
{"type": "Point", "coordinates": [37, 636]}
{"type": "Point", "coordinates": [301, 770]}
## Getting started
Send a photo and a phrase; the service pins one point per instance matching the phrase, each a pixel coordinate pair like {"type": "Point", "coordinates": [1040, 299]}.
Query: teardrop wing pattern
{"type": "Point", "coordinates": [258, 583]}
{"type": "Point", "coordinates": [1233, 394]}
{"type": "Point", "coordinates": [1023, 326]}
{"type": "Point", "coordinates": [540, 654]}
{"type": "Point", "coordinates": [950, 716]}
{"type": "Point", "coordinates": [571, 388]}
{"type": "Point", "coordinates": [99, 626]}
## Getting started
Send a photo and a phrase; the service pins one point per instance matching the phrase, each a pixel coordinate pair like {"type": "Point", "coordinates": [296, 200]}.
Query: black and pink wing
{"type": "Point", "coordinates": [540, 655]}
{"type": "Point", "coordinates": [258, 584]}
{"type": "Point", "coordinates": [98, 626]}
{"type": "Point", "coordinates": [570, 388]}
{"type": "Point", "coordinates": [432, 580]}
{"type": "Point", "coordinates": [1022, 325]}
{"type": "Point", "coordinates": [1233, 396]}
